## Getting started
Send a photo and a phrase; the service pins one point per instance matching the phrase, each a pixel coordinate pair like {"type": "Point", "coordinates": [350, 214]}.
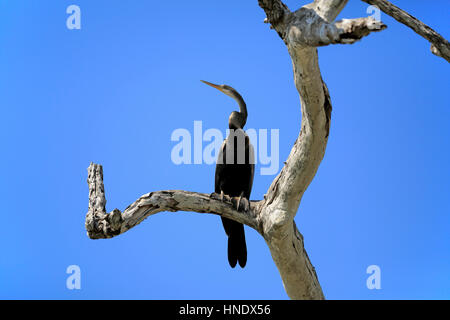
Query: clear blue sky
{"type": "Point", "coordinates": [114, 91]}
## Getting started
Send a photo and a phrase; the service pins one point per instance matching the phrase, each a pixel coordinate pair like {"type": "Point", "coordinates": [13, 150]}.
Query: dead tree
{"type": "Point", "coordinates": [302, 31]}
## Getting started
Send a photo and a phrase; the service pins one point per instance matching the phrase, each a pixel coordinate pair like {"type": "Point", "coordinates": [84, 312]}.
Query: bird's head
{"type": "Point", "coordinates": [237, 120]}
{"type": "Point", "coordinates": [229, 91]}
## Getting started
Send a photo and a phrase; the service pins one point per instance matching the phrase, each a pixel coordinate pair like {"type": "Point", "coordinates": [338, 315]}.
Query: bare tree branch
{"type": "Point", "coordinates": [274, 9]}
{"type": "Point", "coordinates": [322, 33]}
{"type": "Point", "coordinates": [320, 29]}
{"type": "Point", "coordinates": [329, 9]}
{"type": "Point", "coordinates": [286, 248]}
{"type": "Point", "coordinates": [273, 217]}
{"type": "Point", "coordinates": [305, 24]}
{"type": "Point", "coordinates": [352, 30]}
{"type": "Point", "coordinates": [439, 45]}
{"type": "Point", "coordinates": [102, 225]}
{"type": "Point", "coordinates": [286, 191]}
{"type": "Point", "coordinates": [277, 12]}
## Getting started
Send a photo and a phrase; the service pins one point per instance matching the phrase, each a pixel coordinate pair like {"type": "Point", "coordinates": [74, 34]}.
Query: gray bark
{"type": "Point", "coordinates": [103, 225]}
{"type": "Point", "coordinates": [302, 31]}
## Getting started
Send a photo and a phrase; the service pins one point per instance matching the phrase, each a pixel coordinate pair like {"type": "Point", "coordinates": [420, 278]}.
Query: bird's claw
{"type": "Point", "coordinates": [223, 197]}
{"type": "Point", "coordinates": [243, 203]}
{"type": "Point", "coordinates": [240, 202]}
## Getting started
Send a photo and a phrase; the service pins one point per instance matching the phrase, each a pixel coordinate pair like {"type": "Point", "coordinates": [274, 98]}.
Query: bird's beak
{"type": "Point", "coordinates": [213, 85]}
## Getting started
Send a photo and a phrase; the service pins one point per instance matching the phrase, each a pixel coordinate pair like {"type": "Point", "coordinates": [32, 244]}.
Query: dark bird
{"type": "Point", "coordinates": [235, 169]}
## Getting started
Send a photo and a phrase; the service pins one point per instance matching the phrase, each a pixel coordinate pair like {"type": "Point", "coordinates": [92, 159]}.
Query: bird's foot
{"type": "Point", "coordinates": [224, 197]}
{"type": "Point", "coordinates": [243, 203]}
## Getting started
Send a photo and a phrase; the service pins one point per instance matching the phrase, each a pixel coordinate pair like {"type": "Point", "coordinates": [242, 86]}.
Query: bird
{"type": "Point", "coordinates": [235, 170]}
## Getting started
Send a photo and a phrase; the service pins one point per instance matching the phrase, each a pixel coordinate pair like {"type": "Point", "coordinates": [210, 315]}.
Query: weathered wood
{"type": "Point", "coordinates": [302, 31]}
{"type": "Point", "coordinates": [103, 225]}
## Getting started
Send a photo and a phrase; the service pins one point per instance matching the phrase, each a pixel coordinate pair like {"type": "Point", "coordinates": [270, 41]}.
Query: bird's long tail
{"type": "Point", "coordinates": [237, 248]}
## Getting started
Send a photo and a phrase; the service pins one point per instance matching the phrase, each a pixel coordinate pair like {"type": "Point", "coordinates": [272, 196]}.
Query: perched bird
{"type": "Point", "coordinates": [235, 169]}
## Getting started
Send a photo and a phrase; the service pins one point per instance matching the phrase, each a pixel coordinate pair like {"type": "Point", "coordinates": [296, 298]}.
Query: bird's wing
{"type": "Point", "coordinates": [251, 155]}
{"type": "Point", "coordinates": [220, 166]}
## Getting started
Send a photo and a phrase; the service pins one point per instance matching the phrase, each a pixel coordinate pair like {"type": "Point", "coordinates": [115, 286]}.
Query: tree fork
{"type": "Point", "coordinates": [302, 31]}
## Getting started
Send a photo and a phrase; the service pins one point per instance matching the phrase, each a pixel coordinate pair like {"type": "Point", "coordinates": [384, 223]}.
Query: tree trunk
{"type": "Point", "coordinates": [302, 32]}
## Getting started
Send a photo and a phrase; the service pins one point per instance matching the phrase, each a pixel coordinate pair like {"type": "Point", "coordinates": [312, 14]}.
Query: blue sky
{"type": "Point", "coordinates": [113, 93]}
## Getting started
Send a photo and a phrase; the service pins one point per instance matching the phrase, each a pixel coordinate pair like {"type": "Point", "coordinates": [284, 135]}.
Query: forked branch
{"type": "Point", "coordinates": [302, 31]}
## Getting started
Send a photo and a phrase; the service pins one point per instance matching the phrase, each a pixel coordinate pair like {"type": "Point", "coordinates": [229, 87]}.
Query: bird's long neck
{"type": "Point", "coordinates": [238, 119]}
{"type": "Point", "coordinates": [242, 105]}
